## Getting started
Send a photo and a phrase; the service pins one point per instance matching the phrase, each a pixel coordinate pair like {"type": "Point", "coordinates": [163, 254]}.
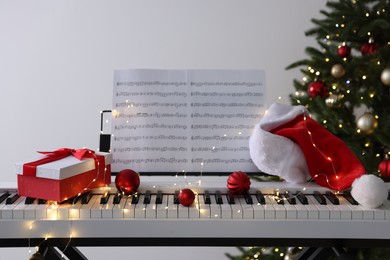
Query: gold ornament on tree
{"type": "Point", "coordinates": [367, 123]}
{"type": "Point", "coordinates": [337, 71]}
{"type": "Point", "coordinates": [385, 76]}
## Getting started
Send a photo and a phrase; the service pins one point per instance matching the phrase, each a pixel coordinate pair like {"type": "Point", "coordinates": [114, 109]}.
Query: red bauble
{"type": "Point", "coordinates": [318, 88]}
{"type": "Point", "coordinates": [238, 183]}
{"type": "Point", "coordinates": [344, 51]}
{"type": "Point", "coordinates": [127, 181]}
{"type": "Point", "coordinates": [369, 48]}
{"type": "Point", "coordinates": [186, 197]}
{"type": "Point", "coordinates": [384, 167]}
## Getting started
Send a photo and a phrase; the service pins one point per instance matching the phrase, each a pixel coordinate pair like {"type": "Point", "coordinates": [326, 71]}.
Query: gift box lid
{"type": "Point", "coordinates": [64, 168]}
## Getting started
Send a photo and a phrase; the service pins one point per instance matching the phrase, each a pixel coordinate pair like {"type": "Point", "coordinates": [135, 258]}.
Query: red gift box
{"type": "Point", "coordinates": [64, 176]}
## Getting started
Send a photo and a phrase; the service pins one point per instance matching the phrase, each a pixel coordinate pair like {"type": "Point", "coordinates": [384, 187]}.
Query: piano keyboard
{"type": "Point", "coordinates": [155, 212]}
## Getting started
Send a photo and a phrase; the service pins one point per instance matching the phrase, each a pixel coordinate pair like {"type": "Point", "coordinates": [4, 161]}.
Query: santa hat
{"type": "Point", "coordinates": [288, 143]}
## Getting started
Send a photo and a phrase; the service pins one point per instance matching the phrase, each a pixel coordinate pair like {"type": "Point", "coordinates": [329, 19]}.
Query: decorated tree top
{"type": "Point", "coordinates": [346, 82]}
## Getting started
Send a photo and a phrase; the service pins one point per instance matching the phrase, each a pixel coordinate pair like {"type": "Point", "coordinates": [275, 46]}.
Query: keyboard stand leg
{"type": "Point", "coordinates": [312, 253]}
{"type": "Point", "coordinates": [73, 253]}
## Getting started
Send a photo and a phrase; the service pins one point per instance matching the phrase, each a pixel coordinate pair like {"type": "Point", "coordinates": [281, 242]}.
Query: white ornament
{"type": "Point", "coordinates": [367, 123]}
{"type": "Point", "coordinates": [385, 76]}
{"type": "Point", "coordinates": [369, 190]}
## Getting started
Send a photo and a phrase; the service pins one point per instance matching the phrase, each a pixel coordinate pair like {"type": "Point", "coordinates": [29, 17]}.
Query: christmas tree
{"type": "Point", "coordinates": [346, 88]}
{"type": "Point", "coordinates": [346, 79]}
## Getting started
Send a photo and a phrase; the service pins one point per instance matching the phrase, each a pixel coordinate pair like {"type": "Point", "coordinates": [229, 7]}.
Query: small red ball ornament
{"type": "Point", "coordinates": [384, 167]}
{"type": "Point", "coordinates": [127, 181]}
{"type": "Point", "coordinates": [318, 88]}
{"type": "Point", "coordinates": [186, 197]}
{"type": "Point", "coordinates": [238, 183]}
{"type": "Point", "coordinates": [369, 48]}
{"type": "Point", "coordinates": [344, 51]}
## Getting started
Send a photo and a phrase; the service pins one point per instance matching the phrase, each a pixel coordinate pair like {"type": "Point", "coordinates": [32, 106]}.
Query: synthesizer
{"type": "Point", "coordinates": [270, 211]}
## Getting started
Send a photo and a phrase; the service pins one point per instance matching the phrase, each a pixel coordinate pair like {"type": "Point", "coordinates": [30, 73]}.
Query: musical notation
{"type": "Point", "coordinates": [170, 117]}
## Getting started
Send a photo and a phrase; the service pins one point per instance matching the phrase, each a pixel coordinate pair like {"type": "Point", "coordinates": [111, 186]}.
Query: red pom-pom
{"type": "Point", "coordinates": [127, 181]}
{"type": "Point", "coordinates": [384, 167]}
{"type": "Point", "coordinates": [238, 183]}
{"type": "Point", "coordinates": [369, 48]}
{"type": "Point", "coordinates": [186, 197]}
{"type": "Point", "coordinates": [318, 88]}
{"type": "Point", "coordinates": [344, 51]}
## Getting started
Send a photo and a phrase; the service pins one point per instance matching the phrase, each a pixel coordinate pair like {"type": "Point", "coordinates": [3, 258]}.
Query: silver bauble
{"type": "Point", "coordinates": [337, 71]}
{"type": "Point", "coordinates": [367, 123]}
{"type": "Point", "coordinates": [385, 76]}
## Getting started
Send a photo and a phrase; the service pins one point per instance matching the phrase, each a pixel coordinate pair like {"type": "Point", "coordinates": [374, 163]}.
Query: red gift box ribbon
{"type": "Point", "coordinates": [30, 169]}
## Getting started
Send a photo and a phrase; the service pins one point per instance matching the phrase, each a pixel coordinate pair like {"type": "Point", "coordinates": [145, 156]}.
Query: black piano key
{"type": "Point", "coordinates": [176, 197]}
{"type": "Point", "coordinates": [42, 201]}
{"type": "Point", "coordinates": [230, 199]}
{"type": "Point", "coordinates": [117, 198]}
{"type": "Point", "coordinates": [73, 200]}
{"type": "Point", "coordinates": [206, 197]}
{"type": "Point", "coordinates": [388, 196]}
{"type": "Point", "coordinates": [332, 197]}
{"type": "Point", "coordinates": [159, 197]}
{"type": "Point", "coordinates": [319, 197]}
{"type": "Point", "coordinates": [260, 197]}
{"type": "Point", "coordinates": [347, 195]}
{"type": "Point", "coordinates": [302, 198]}
{"type": "Point", "coordinates": [3, 196]}
{"type": "Point", "coordinates": [12, 198]}
{"type": "Point", "coordinates": [104, 198]}
{"type": "Point", "coordinates": [218, 197]}
{"type": "Point", "coordinates": [290, 198]}
{"type": "Point", "coordinates": [29, 200]}
{"type": "Point", "coordinates": [134, 199]}
{"type": "Point", "coordinates": [248, 198]}
{"type": "Point", "coordinates": [147, 197]}
{"type": "Point", "coordinates": [86, 197]}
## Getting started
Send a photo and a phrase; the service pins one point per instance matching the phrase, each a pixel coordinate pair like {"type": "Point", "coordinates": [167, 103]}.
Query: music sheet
{"type": "Point", "coordinates": [185, 120]}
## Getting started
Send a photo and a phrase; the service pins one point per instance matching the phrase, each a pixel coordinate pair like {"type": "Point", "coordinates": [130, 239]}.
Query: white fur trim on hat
{"type": "Point", "coordinates": [274, 154]}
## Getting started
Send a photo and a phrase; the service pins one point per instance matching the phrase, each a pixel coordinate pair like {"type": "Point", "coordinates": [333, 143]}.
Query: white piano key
{"type": "Point", "coordinates": [291, 210]}
{"type": "Point", "coordinates": [41, 211]}
{"type": "Point", "coordinates": [236, 209]}
{"type": "Point", "coordinates": [226, 209]}
{"type": "Point", "coordinates": [334, 210]}
{"type": "Point", "coordinates": [30, 210]}
{"type": "Point", "coordinates": [128, 209]}
{"type": "Point", "coordinates": [74, 210]}
{"type": "Point", "coordinates": [171, 208]}
{"type": "Point", "coordinates": [258, 208]}
{"type": "Point", "coordinates": [118, 209]}
{"type": "Point", "coordinates": [85, 209]}
{"type": "Point", "coordinates": [161, 210]}
{"type": "Point", "coordinates": [96, 209]}
{"type": "Point", "coordinates": [323, 210]}
{"type": "Point", "coordinates": [215, 209]}
{"type": "Point", "coordinates": [140, 208]}
{"type": "Point", "coordinates": [204, 209]}
{"type": "Point", "coordinates": [182, 211]}
{"type": "Point", "coordinates": [368, 214]}
{"type": "Point", "coordinates": [386, 208]}
{"type": "Point", "coordinates": [345, 210]}
{"type": "Point", "coordinates": [151, 208]}
{"type": "Point", "coordinates": [7, 210]}
{"type": "Point", "coordinates": [193, 209]}
{"type": "Point", "coordinates": [302, 210]}
{"type": "Point", "coordinates": [280, 210]}
{"type": "Point", "coordinates": [269, 210]}
{"type": "Point", "coordinates": [247, 209]}
{"type": "Point", "coordinates": [18, 211]}
{"type": "Point", "coordinates": [66, 211]}
{"type": "Point", "coordinates": [107, 209]}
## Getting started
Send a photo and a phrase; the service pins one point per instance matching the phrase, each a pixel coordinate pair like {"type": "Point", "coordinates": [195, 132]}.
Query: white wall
{"type": "Point", "coordinates": [57, 58]}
